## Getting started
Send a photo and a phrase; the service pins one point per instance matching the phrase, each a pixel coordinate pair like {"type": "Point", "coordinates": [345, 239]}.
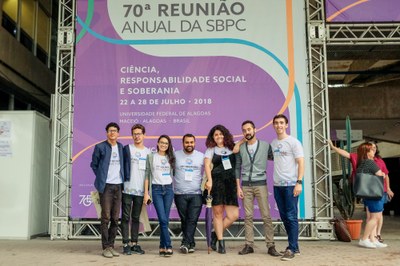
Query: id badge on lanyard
{"type": "Point", "coordinates": [226, 162]}
{"type": "Point", "coordinates": [188, 174]}
{"type": "Point", "coordinates": [142, 163]}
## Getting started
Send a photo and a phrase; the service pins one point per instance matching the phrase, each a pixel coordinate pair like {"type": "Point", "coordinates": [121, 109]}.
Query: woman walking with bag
{"type": "Point", "coordinates": [381, 164]}
{"type": "Point", "coordinates": [366, 164]}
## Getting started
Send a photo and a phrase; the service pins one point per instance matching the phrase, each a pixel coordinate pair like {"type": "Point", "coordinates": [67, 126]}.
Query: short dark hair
{"type": "Point", "coordinates": [249, 122]}
{"type": "Point", "coordinates": [138, 126]}
{"type": "Point", "coordinates": [112, 124]}
{"type": "Point", "coordinates": [280, 116]}
{"type": "Point", "coordinates": [188, 135]}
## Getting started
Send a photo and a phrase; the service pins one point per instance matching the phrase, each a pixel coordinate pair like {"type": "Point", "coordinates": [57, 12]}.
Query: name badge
{"type": "Point", "coordinates": [188, 174]}
{"type": "Point", "coordinates": [166, 174]}
{"type": "Point", "coordinates": [226, 162]}
{"type": "Point", "coordinates": [142, 163]}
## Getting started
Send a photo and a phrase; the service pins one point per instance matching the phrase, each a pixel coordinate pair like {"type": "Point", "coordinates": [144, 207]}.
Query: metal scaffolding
{"type": "Point", "coordinates": [63, 108]}
{"type": "Point", "coordinates": [319, 34]}
{"type": "Point", "coordinates": [319, 120]}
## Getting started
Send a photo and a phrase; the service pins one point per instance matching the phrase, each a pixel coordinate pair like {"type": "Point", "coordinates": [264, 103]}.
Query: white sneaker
{"type": "Point", "coordinates": [366, 243]}
{"type": "Point", "coordinates": [379, 244]}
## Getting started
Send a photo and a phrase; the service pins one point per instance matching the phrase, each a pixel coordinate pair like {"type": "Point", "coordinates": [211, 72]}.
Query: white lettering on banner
{"type": "Point", "coordinates": [86, 200]}
{"type": "Point", "coordinates": [200, 9]}
{"type": "Point", "coordinates": [138, 69]}
{"type": "Point", "coordinates": [166, 80]}
{"type": "Point", "coordinates": [169, 90]}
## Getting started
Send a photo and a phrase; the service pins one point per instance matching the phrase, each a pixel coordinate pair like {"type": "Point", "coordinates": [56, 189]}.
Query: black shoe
{"type": "Point", "coordinates": [191, 249]}
{"type": "Point", "coordinates": [168, 253]}
{"type": "Point", "coordinates": [127, 250]}
{"type": "Point", "coordinates": [221, 246]}
{"type": "Point", "coordinates": [272, 251]}
{"type": "Point", "coordinates": [162, 252]}
{"type": "Point", "coordinates": [136, 249]}
{"type": "Point", "coordinates": [184, 249]}
{"type": "Point", "coordinates": [246, 250]}
{"type": "Point", "coordinates": [213, 241]}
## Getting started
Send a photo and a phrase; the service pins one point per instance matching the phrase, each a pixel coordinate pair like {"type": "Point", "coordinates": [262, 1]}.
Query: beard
{"type": "Point", "coordinates": [249, 136]}
{"type": "Point", "coordinates": [189, 149]}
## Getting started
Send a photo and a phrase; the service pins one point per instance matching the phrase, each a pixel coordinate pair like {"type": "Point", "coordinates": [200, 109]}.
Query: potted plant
{"type": "Point", "coordinates": [343, 195]}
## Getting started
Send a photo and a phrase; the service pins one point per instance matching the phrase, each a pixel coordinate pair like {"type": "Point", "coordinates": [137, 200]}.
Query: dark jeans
{"type": "Point", "coordinates": [163, 196]}
{"type": "Point", "coordinates": [131, 208]}
{"type": "Point", "coordinates": [189, 208]}
{"type": "Point", "coordinates": [110, 201]}
{"type": "Point", "coordinates": [287, 205]}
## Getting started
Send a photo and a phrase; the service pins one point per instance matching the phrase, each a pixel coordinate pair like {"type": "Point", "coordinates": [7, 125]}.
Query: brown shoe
{"type": "Point", "coordinates": [107, 253]}
{"type": "Point", "coordinates": [272, 251]}
{"type": "Point", "coordinates": [246, 250]}
{"type": "Point", "coordinates": [114, 253]}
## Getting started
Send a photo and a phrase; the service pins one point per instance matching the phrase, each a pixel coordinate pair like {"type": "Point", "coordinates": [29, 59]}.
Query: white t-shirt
{"type": "Point", "coordinates": [113, 174]}
{"type": "Point", "coordinates": [138, 168]}
{"type": "Point", "coordinates": [161, 170]}
{"type": "Point", "coordinates": [286, 151]}
{"type": "Point", "coordinates": [252, 148]}
{"type": "Point", "coordinates": [217, 150]}
{"type": "Point", "coordinates": [188, 173]}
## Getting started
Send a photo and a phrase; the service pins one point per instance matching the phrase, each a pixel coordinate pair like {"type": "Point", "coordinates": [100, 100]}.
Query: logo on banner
{"type": "Point", "coordinates": [86, 200]}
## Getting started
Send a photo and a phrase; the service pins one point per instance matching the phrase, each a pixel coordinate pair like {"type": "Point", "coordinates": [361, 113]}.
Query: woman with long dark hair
{"type": "Point", "coordinates": [219, 166]}
{"type": "Point", "coordinates": [159, 173]}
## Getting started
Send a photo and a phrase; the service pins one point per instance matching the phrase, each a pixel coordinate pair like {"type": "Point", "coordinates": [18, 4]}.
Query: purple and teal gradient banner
{"type": "Point", "coordinates": [178, 69]}
{"type": "Point", "coordinates": [367, 11]}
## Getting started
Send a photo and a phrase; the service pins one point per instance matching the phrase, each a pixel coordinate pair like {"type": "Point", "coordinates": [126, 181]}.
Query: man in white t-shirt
{"type": "Point", "coordinates": [132, 197]}
{"type": "Point", "coordinates": [288, 180]}
{"type": "Point", "coordinates": [107, 165]}
{"type": "Point", "coordinates": [187, 190]}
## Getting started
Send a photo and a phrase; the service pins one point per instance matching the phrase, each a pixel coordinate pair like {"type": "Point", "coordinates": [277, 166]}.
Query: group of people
{"type": "Point", "coordinates": [368, 160]}
{"type": "Point", "coordinates": [132, 176]}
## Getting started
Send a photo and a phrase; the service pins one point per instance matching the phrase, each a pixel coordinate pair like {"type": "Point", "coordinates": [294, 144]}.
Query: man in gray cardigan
{"type": "Point", "coordinates": [251, 166]}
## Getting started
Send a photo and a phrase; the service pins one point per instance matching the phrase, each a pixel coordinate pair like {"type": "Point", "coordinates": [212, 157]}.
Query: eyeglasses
{"type": "Point", "coordinates": [163, 143]}
{"type": "Point", "coordinates": [137, 134]}
{"type": "Point", "coordinates": [112, 131]}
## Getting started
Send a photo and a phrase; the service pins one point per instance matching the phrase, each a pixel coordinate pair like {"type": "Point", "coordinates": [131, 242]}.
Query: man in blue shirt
{"type": "Point", "coordinates": [188, 198]}
{"type": "Point", "coordinates": [107, 165]}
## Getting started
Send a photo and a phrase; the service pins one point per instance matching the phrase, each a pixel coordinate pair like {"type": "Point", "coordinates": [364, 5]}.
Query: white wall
{"type": "Point", "coordinates": [25, 175]}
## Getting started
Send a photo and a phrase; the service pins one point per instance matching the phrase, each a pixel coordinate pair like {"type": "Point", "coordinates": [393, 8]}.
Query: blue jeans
{"type": "Point", "coordinates": [163, 196]}
{"type": "Point", "coordinates": [287, 205]}
{"type": "Point", "coordinates": [189, 208]}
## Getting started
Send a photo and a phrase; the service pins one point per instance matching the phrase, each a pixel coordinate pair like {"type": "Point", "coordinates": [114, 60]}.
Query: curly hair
{"type": "Point", "coordinates": [169, 152]}
{"type": "Point", "coordinates": [228, 138]}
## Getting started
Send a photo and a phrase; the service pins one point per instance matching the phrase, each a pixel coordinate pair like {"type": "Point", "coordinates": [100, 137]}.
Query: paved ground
{"type": "Point", "coordinates": [42, 251]}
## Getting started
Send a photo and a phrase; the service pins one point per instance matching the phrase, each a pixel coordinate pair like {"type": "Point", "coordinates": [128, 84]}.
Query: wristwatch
{"type": "Point", "coordinates": [299, 182]}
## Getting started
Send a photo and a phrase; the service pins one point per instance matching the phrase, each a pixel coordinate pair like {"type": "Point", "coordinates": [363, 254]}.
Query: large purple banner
{"type": "Point", "coordinates": [362, 11]}
{"type": "Point", "coordinates": [182, 67]}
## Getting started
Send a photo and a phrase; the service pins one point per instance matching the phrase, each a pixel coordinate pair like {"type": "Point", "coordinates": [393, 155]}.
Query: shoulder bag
{"type": "Point", "coordinates": [368, 186]}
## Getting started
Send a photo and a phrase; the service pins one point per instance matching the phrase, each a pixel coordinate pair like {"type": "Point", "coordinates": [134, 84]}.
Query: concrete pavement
{"type": "Point", "coordinates": [43, 251]}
